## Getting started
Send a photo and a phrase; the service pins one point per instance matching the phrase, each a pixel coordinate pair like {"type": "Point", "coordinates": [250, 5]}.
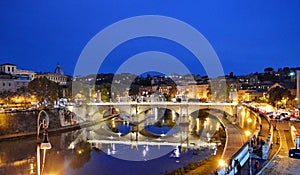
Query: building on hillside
{"type": "Point", "coordinates": [12, 79]}
{"type": "Point", "coordinates": [193, 91]}
{"type": "Point", "coordinates": [277, 85]}
{"type": "Point", "coordinates": [8, 68]}
{"type": "Point", "coordinates": [11, 69]}
{"type": "Point", "coordinates": [57, 76]}
{"type": "Point", "coordinates": [12, 85]}
{"type": "Point", "coordinates": [25, 74]}
{"type": "Point", "coordinates": [249, 95]}
{"type": "Point", "coordinates": [289, 86]}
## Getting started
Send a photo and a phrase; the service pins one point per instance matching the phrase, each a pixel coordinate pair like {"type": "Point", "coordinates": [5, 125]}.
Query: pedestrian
{"type": "Point", "coordinates": [257, 165]}
{"type": "Point", "coordinates": [238, 167]}
{"type": "Point", "coordinates": [260, 126]}
{"type": "Point", "coordinates": [230, 164]}
{"type": "Point", "coordinates": [252, 142]}
{"type": "Point", "coordinates": [262, 142]}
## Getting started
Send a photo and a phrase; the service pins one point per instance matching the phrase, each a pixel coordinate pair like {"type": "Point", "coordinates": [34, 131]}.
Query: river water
{"type": "Point", "coordinates": [73, 154]}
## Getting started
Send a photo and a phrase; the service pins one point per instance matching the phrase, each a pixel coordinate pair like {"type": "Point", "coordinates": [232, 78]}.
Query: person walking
{"type": "Point", "coordinates": [257, 165]}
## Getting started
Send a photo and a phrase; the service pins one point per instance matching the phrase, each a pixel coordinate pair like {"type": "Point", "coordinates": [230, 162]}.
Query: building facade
{"type": "Point", "coordinates": [12, 85]}
{"type": "Point", "coordinates": [11, 69]}
{"type": "Point", "coordinates": [11, 78]}
{"type": "Point", "coordinates": [8, 68]}
{"type": "Point", "coordinates": [57, 76]}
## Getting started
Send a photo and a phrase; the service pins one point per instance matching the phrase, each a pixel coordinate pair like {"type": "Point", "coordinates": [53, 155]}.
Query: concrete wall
{"type": "Point", "coordinates": [242, 156]}
{"type": "Point", "coordinates": [267, 146]}
{"type": "Point", "coordinates": [24, 122]}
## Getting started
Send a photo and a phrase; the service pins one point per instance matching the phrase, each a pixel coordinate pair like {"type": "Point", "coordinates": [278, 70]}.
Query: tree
{"type": "Point", "coordinates": [277, 93]}
{"type": "Point", "coordinates": [134, 90]}
{"type": "Point", "coordinates": [172, 91]}
{"type": "Point", "coordinates": [105, 89]}
{"type": "Point", "coordinates": [79, 90]}
{"type": "Point", "coordinates": [45, 89]}
{"type": "Point", "coordinates": [268, 70]}
{"type": "Point", "coordinates": [6, 97]}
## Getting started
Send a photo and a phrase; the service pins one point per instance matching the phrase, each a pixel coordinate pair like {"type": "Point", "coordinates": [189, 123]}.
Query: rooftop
{"type": "Point", "coordinates": [8, 64]}
{"type": "Point", "coordinates": [58, 70]}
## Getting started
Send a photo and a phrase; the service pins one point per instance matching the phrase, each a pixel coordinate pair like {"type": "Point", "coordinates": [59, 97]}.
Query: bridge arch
{"type": "Point", "coordinates": [183, 109]}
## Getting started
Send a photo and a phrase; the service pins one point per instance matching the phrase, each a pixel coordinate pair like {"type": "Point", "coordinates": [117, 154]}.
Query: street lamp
{"type": "Point", "coordinates": [222, 167]}
{"type": "Point", "coordinates": [45, 144]}
{"type": "Point", "coordinates": [222, 163]}
{"type": "Point", "coordinates": [247, 133]}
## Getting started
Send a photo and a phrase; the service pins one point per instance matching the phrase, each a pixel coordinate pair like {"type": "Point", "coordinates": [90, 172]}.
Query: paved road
{"type": "Point", "coordinates": [235, 139]}
{"type": "Point", "coordinates": [282, 164]}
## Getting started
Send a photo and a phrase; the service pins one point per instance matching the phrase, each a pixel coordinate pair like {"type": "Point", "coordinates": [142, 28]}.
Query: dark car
{"type": "Point", "coordinates": [295, 153]}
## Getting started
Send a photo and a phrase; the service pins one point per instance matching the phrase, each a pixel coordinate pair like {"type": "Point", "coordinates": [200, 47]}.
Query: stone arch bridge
{"type": "Point", "coordinates": [135, 108]}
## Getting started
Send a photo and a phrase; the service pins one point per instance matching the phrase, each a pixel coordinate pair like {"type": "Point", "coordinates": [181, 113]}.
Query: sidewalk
{"type": "Point", "coordinates": [234, 141]}
{"type": "Point", "coordinates": [257, 153]}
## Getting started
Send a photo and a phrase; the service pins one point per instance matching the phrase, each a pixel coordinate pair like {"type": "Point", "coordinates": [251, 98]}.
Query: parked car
{"type": "Point", "coordinates": [284, 116]}
{"type": "Point", "coordinates": [269, 114]}
{"type": "Point", "coordinates": [295, 119]}
{"type": "Point", "coordinates": [294, 153]}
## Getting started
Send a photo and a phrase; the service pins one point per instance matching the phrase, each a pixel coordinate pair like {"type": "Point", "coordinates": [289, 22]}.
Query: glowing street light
{"type": "Point", "coordinates": [247, 133]}
{"type": "Point", "coordinates": [249, 120]}
{"type": "Point", "coordinates": [222, 163]}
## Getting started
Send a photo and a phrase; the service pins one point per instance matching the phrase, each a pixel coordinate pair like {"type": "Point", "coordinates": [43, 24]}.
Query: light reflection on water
{"type": "Point", "coordinates": [158, 130]}
{"type": "Point", "coordinates": [85, 160]}
{"type": "Point", "coordinates": [18, 156]}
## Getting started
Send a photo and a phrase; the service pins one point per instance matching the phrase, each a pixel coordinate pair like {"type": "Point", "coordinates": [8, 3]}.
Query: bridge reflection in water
{"type": "Point", "coordinates": [162, 143]}
{"type": "Point", "coordinates": [160, 131]}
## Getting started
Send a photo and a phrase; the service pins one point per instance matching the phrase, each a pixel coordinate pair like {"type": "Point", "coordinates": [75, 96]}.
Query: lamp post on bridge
{"type": "Point", "coordinates": [45, 144]}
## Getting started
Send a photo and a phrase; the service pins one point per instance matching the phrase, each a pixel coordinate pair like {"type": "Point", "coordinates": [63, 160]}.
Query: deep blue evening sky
{"type": "Point", "coordinates": [247, 35]}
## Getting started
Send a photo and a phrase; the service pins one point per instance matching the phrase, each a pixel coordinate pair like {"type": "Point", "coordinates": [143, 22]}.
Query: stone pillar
{"type": "Point", "coordinates": [298, 88]}
{"type": "Point", "coordinates": [98, 96]}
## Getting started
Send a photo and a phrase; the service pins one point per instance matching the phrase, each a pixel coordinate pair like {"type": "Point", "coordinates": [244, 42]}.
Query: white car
{"type": "Point", "coordinates": [295, 119]}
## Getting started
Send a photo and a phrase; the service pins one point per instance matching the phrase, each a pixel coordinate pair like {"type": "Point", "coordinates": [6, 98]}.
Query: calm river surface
{"type": "Point", "coordinates": [73, 154]}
